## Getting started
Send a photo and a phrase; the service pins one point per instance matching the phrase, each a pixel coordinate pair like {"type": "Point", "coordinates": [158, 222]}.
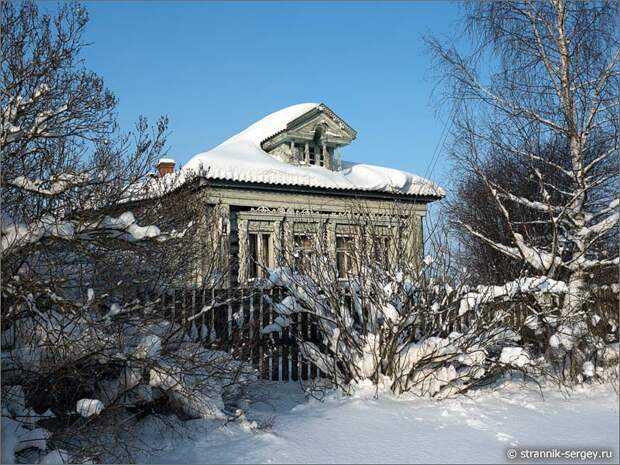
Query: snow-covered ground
{"type": "Point", "coordinates": [385, 429]}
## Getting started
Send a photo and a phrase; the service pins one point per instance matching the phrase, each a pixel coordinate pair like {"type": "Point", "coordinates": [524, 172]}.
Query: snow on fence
{"type": "Point", "coordinates": [232, 320]}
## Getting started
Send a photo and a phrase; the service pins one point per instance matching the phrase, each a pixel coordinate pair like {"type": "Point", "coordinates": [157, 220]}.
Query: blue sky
{"type": "Point", "coordinates": [214, 68]}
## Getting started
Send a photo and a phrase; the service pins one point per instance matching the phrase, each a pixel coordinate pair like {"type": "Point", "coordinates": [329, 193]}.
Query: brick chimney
{"type": "Point", "coordinates": [165, 166]}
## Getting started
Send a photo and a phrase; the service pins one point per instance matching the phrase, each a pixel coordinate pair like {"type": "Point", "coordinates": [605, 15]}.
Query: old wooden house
{"type": "Point", "coordinates": [282, 184]}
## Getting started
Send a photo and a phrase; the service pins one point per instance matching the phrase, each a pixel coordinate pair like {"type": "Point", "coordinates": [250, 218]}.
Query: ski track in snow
{"type": "Point", "coordinates": [363, 429]}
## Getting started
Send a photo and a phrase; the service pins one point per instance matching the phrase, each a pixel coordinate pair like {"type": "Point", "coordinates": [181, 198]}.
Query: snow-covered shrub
{"type": "Point", "coordinates": [582, 346]}
{"type": "Point", "coordinates": [396, 316]}
{"type": "Point", "coordinates": [408, 334]}
{"type": "Point", "coordinates": [417, 322]}
{"type": "Point", "coordinates": [74, 375]}
{"type": "Point", "coordinates": [86, 348]}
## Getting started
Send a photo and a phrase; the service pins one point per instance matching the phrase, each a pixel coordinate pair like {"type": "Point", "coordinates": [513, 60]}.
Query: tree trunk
{"type": "Point", "coordinates": [577, 294]}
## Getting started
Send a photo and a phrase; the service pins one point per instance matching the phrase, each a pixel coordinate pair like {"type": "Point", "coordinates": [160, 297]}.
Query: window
{"type": "Point", "coordinates": [312, 154]}
{"type": "Point", "coordinates": [304, 249]}
{"type": "Point", "coordinates": [266, 259]}
{"type": "Point", "coordinates": [344, 255]}
{"type": "Point", "coordinates": [316, 155]}
{"type": "Point", "coordinates": [382, 250]}
{"type": "Point", "coordinates": [300, 151]}
{"type": "Point", "coordinates": [253, 253]}
{"type": "Point", "coordinates": [259, 254]}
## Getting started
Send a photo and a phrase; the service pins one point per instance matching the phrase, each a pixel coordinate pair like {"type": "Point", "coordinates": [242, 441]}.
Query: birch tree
{"type": "Point", "coordinates": [542, 73]}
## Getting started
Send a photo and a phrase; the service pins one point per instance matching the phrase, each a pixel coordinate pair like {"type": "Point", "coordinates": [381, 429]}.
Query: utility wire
{"type": "Point", "coordinates": [430, 168]}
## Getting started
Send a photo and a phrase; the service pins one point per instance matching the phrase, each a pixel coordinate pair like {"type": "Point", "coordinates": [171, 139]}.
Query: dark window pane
{"type": "Point", "coordinates": [341, 264]}
{"type": "Point", "coordinates": [265, 259]}
{"type": "Point", "coordinates": [253, 255]}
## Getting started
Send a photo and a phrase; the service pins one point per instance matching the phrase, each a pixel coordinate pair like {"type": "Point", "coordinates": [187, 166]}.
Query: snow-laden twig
{"type": "Point", "coordinates": [54, 186]}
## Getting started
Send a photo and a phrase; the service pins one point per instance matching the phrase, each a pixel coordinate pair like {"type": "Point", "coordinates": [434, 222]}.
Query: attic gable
{"type": "Point", "coordinates": [320, 122]}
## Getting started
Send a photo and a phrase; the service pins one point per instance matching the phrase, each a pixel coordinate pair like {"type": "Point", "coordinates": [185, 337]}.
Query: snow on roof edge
{"type": "Point", "coordinates": [331, 188]}
{"type": "Point", "coordinates": [271, 124]}
{"type": "Point", "coordinates": [240, 158]}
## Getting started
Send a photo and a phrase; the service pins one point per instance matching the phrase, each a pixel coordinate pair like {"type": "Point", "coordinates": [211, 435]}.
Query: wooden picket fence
{"type": "Point", "coordinates": [232, 320]}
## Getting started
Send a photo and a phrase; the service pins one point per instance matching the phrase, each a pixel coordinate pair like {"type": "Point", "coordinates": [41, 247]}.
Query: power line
{"type": "Point", "coordinates": [430, 168]}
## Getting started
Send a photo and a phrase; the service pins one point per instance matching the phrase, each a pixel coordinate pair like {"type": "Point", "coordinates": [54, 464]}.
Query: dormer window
{"type": "Point", "coordinates": [300, 151]}
{"type": "Point", "coordinates": [312, 154]}
{"type": "Point", "coordinates": [319, 155]}
{"type": "Point", "coordinates": [310, 139]}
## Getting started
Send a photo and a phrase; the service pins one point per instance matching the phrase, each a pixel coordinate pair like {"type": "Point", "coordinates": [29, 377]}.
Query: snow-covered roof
{"type": "Point", "coordinates": [241, 158]}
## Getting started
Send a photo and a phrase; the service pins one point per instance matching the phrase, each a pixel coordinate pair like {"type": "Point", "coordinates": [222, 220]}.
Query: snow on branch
{"type": "Point", "coordinates": [604, 225]}
{"type": "Point", "coordinates": [56, 185]}
{"type": "Point", "coordinates": [17, 106]}
{"type": "Point", "coordinates": [538, 259]}
{"type": "Point", "coordinates": [588, 264]}
{"type": "Point", "coordinates": [125, 227]}
{"type": "Point", "coordinates": [535, 257]}
{"type": "Point", "coordinates": [532, 285]}
{"type": "Point", "coordinates": [128, 227]}
{"type": "Point", "coordinates": [17, 235]}
{"type": "Point", "coordinates": [512, 252]}
{"type": "Point", "coordinates": [542, 207]}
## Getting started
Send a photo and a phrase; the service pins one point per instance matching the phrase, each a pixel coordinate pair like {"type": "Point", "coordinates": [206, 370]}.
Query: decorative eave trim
{"type": "Point", "coordinates": [311, 215]}
{"type": "Point", "coordinates": [324, 191]}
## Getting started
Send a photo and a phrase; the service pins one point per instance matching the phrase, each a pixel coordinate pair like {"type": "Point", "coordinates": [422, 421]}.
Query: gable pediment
{"type": "Point", "coordinates": [321, 122]}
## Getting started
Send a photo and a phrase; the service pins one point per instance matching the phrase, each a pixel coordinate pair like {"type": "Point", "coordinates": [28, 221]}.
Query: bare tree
{"type": "Point", "coordinates": [542, 74]}
{"type": "Point", "coordinates": [90, 238]}
{"type": "Point", "coordinates": [472, 204]}
{"type": "Point", "coordinates": [62, 155]}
